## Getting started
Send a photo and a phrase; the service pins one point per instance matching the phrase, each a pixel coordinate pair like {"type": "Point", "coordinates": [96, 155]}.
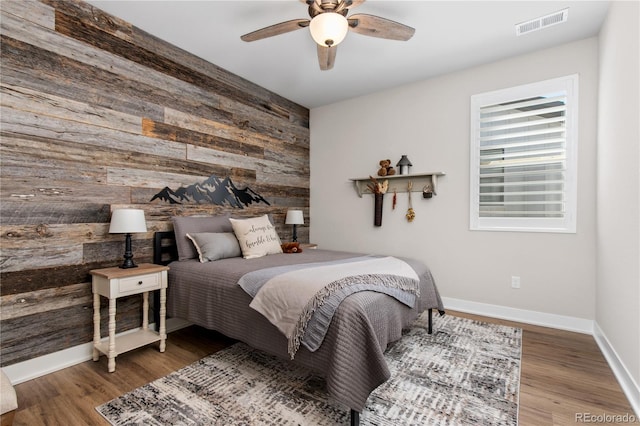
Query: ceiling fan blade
{"type": "Point", "coordinates": [375, 26]}
{"type": "Point", "coordinates": [276, 29]}
{"type": "Point", "coordinates": [326, 57]}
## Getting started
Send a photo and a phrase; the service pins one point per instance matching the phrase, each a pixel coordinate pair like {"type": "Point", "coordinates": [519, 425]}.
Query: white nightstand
{"type": "Point", "coordinates": [117, 282]}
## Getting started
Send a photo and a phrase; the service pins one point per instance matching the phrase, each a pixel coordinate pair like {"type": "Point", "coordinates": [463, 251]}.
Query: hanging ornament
{"type": "Point", "coordinates": [410, 213]}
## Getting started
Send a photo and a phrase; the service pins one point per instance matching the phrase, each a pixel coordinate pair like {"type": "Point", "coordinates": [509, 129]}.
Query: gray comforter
{"type": "Point", "coordinates": [351, 356]}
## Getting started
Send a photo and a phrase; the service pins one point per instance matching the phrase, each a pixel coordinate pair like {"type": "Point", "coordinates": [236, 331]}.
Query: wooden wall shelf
{"type": "Point", "coordinates": [400, 183]}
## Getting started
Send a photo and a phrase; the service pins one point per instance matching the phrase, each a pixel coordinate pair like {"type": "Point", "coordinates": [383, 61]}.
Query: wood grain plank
{"type": "Point", "coordinates": [174, 133]}
{"type": "Point", "coordinates": [36, 302]}
{"type": "Point", "coordinates": [16, 212]}
{"type": "Point", "coordinates": [204, 125]}
{"type": "Point", "coordinates": [40, 189]}
{"type": "Point", "coordinates": [22, 122]}
{"type": "Point", "coordinates": [33, 12]}
{"type": "Point", "coordinates": [88, 13]}
{"type": "Point", "coordinates": [26, 281]}
{"type": "Point", "coordinates": [38, 257]}
{"type": "Point", "coordinates": [58, 107]}
{"type": "Point", "coordinates": [34, 236]}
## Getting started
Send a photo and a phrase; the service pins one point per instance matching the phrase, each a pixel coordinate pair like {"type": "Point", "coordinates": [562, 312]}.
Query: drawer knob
{"type": "Point", "coordinates": [139, 282]}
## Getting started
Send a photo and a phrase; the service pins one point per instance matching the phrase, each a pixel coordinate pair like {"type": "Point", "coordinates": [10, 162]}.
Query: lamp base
{"type": "Point", "coordinates": [128, 254]}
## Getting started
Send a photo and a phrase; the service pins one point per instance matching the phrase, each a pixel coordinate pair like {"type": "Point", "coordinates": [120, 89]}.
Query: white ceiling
{"type": "Point", "coordinates": [450, 36]}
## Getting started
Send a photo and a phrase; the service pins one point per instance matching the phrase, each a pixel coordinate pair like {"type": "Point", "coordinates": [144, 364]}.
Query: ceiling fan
{"type": "Point", "coordinates": [329, 25]}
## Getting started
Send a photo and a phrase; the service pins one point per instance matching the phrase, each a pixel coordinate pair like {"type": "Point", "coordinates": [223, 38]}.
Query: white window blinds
{"type": "Point", "coordinates": [523, 164]}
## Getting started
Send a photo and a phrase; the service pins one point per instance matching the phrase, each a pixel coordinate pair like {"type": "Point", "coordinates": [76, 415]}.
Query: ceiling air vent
{"type": "Point", "coordinates": [542, 22]}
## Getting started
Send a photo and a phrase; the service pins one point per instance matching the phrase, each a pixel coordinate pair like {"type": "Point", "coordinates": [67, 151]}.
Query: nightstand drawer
{"type": "Point", "coordinates": [139, 283]}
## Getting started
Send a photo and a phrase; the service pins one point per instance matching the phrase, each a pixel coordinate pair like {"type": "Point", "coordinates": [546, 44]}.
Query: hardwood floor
{"type": "Point", "coordinates": [563, 376]}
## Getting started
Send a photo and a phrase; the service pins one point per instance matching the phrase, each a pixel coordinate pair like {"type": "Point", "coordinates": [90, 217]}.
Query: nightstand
{"type": "Point", "coordinates": [113, 283]}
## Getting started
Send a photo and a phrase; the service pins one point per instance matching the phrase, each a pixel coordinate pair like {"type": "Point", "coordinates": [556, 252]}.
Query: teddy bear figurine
{"type": "Point", "coordinates": [386, 169]}
{"type": "Point", "coordinates": [291, 247]}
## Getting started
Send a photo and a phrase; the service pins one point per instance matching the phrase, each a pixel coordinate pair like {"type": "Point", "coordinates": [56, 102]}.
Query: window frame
{"type": "Point", "coordinates": [567, 223]}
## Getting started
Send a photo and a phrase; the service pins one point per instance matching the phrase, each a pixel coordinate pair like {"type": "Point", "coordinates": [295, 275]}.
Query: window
{"type": "Point", "coordinates": [523, 157]}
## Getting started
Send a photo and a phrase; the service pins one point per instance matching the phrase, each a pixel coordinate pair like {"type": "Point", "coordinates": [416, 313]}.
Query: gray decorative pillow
{"type": "Point", "coordinates": [215, 245]}
{"type": "Point", "coordinates": [257, 236]}
{"type": "Point", "coordinates": [183, 225]}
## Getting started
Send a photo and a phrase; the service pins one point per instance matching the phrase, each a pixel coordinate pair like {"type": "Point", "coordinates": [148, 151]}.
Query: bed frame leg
{"type": "Point", "coordinates": [355, 418]}
{"type": "Point", "coordinates": [430, 329]}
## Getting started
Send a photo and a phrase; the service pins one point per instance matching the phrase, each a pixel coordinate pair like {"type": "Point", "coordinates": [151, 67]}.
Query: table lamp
{"type": "Point", "coordinates": [295, 218]}
{"type": "Point", "coordinates": [127, 221]}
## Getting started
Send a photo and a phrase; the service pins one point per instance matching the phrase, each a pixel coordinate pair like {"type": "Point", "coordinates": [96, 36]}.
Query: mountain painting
{"type": "Point", "coordinates": [214, 191]}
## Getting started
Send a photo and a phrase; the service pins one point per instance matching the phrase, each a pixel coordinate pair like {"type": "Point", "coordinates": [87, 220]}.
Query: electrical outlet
{"type": "Point", "coordinates": [515, 282]}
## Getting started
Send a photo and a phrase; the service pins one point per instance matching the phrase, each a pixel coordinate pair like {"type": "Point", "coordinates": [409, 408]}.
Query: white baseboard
{"type": "Point", "coordinates": [37, 367]}
{"type": "Point", "coordinates": [561, 322]}
{"type": "Point", "coordinates": [629, 386]}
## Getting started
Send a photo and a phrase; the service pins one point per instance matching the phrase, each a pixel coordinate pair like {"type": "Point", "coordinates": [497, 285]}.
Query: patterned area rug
{"type": "Point", "coordinates": [466, 372]}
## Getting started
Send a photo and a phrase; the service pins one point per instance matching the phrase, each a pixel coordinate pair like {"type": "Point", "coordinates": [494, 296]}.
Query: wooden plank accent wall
{"type": "Point", "coordinates": [97, 114]}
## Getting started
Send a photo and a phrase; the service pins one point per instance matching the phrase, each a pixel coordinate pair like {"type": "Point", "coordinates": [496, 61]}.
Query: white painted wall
{"type": "Point", "coordinates": [618, 183]}
{"type": "Point", "coordinates": [429, 121]}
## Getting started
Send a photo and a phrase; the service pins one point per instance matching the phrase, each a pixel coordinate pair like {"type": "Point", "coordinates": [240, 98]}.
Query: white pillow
{"type": "Point", "coordinates": [257, 236]}
{"type": "Point", "coordinates": [215, 245]}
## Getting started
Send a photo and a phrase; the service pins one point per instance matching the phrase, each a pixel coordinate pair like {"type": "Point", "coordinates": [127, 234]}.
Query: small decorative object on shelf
{"type": "Point", "coordinates": [411, 214]}
{"type": "Point", "coordinates": [386, 169]}
{"type": "Point", "coordinates": [404, 165]}
{"type": "Point", "coordinates": [427, 191]}
{"type": "Point", "coordinates": [378, 189]}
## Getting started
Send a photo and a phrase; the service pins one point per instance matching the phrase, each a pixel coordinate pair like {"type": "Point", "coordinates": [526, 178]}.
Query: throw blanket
{"type": "Point", "coordinates": [300, 299]}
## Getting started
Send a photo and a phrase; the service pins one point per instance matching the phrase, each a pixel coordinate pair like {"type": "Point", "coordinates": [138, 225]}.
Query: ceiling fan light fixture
{"type": "Point", "coordinates": [328, 28]}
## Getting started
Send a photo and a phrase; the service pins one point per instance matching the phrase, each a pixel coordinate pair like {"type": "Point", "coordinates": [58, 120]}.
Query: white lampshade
{"type": "Point", "coordinates": [126, 221]}
{"type": "Point", "coordinates": [294, 217]}
{"type": "Point", "coordinates": [328, 28]}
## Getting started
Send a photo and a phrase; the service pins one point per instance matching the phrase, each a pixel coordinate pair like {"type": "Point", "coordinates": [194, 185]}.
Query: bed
{"type": "Point", "coordinates": [350, 358]}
